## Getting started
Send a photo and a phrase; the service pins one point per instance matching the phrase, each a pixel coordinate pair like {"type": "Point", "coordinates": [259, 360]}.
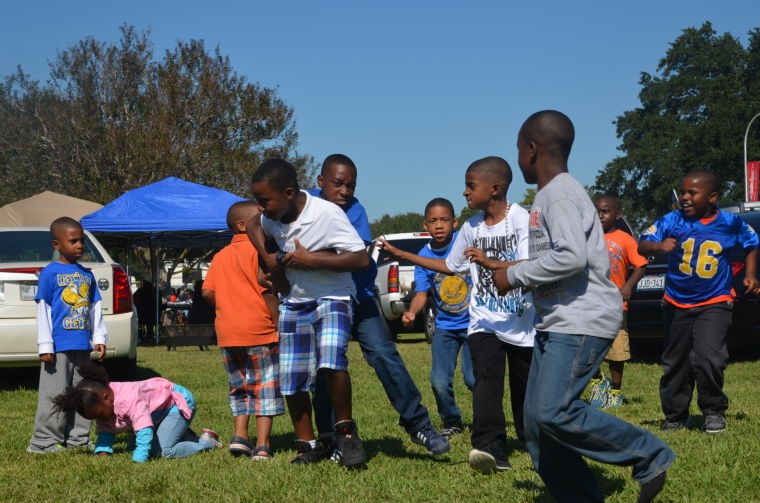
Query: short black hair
{"type": "Point", "coordinates": [551, 130]}
{"type": "Point", "coordinates": [239, 211]}
{"type": "Point", "coordinates": [61, 223]}
{"type": "Point", "coordinates": [494, 169]}
{"type": "Point", "coordinates": [333, 159]}
{"type": "Point", "coordinates": [278, 173]}
{"type": "Point", "coordinates": [708, 177]}
{"type": "Point", "coordinates": [609, 197]}
{"type": "Point", "coordinates": [440, 201]}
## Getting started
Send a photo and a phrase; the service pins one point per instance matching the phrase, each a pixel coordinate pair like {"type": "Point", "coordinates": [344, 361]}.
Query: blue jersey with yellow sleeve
{"type": "Point", "coordinates": [699, 270]}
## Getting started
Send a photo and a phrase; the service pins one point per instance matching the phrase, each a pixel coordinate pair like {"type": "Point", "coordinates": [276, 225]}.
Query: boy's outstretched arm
{"type": "Point", "coordinates": [256, 235]}
{"type": "Point", "coordinates": [630, 283]}
{"type": "Point", "coordinates": [434, 264]}
{"type": "Point", "coordinates": [750, 272]}
{"type": "Point", "coordinates": [337, 262]}
{"type": "Point", "coordinates": [418, 302]}
{"type": "Point", "coordinates": [647, 247]}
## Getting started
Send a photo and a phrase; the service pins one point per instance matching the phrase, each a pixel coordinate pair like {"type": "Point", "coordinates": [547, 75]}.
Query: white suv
{"type": "Point", "coordinates": [24, 251]}
{"type": "Point", "coordinates": [395, 281]}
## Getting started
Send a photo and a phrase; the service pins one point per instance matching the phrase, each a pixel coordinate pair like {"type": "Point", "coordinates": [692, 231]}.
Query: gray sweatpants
{"type": "Point", "coordinates": [50, 427]}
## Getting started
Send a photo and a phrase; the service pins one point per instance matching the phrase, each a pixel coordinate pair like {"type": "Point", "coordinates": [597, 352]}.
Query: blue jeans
{"type": "Point", "coordinates": [560, 428]}
{"type": "Point", "coordinates": [167, 438]}
{"type": "Point", "coordinates": [445, 349]}
{"type": "Point", "coordinates": [373, 336]}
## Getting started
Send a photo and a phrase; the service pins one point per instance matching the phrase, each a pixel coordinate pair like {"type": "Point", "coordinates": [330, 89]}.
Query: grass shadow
{"type": "Point", "coordinates": [394, 447]}
{"type": "Point", "coordinates": [408, 340]}
{"type": "Point", "coordinates": [606, 484]}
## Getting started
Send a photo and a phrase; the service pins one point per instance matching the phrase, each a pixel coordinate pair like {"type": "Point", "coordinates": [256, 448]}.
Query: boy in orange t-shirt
{"type": "Point", "coordinates": [622, 248]}
{"type": "Point", "coordinates": [246, 334]}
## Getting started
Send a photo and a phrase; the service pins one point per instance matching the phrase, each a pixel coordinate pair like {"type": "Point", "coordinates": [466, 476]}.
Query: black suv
{"type": "Point", "coordinates": [644, 310]}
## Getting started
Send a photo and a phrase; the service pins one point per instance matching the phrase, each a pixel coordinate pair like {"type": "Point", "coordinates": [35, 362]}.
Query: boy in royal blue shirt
{"type": "Point", "coordinates": [698, 298]}
{"type": "Point", "coordinates": [452, 298]}
{"type": "Point", "coordinates": [337, 183]}
{"type": "Point", "coordinates": [68, 317]}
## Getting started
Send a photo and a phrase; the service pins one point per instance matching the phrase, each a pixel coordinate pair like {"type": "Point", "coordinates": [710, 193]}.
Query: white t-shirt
{"type": "Point", "coordinates": [321, 225]}
{"type": "Point", "coordinates": [509, 317]}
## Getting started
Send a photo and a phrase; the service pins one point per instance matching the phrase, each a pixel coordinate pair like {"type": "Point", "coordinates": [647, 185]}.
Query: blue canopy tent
{"type": "Point", "coordinates": [171, 213]}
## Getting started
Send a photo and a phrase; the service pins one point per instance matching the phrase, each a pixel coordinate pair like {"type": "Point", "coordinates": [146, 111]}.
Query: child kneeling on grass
{"type": "Point", "coordinates": [157, 410]}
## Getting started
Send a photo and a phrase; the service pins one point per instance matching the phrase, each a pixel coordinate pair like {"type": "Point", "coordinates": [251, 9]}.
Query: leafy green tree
{"type": "Point", "coordinates": [529, 196]}
{"type": "Point", "coordinates": [693, 115]}
{"type": "Point", "coordinates": [407, 222]}
{"type": "Point", "coordinates": [465, 214]}
{"type": "Point", "coordinates": [113, 117]}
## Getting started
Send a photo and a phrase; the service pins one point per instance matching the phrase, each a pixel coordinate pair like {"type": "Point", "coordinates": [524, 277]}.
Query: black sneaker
{"type": "Point", "coordinates": [348, 445]}
{"type": "Point", "coordinates": [328, 450]}
{"type": "Point", "coordinates": [669, 425]}
{"type": "Point", "coordinates": [487, 462]}
{"type": "Point", "coordinates": [714, 423]}
{"type": "Point", "coordinates": [305, 454]}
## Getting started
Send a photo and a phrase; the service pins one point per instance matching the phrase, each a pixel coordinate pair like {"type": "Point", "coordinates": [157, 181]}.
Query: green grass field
{"type": "Point", "coordinates": [721, 468]}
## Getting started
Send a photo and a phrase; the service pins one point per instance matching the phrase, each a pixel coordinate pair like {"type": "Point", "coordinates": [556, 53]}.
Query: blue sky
{"type": "Point", "coordinates": [412, 91]}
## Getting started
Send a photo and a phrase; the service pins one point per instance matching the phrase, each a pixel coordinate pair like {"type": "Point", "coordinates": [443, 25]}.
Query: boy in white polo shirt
{"type": "Point", "coordinates": [316, 315]}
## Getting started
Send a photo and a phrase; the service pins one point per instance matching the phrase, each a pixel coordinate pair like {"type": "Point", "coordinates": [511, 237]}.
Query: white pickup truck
{"type": "Point", "coordinates": [395, 282]}
{"type": "Point", "coordinates": [24, 251]}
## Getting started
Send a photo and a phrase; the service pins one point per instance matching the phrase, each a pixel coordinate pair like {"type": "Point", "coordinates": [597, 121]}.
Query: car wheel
{"type": "Point", "coordinates": [121, 369]}
{"type": "Point", "coordinates": [429, 321]}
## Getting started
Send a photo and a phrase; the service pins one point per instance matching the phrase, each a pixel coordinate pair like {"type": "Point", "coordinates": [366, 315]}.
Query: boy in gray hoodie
{"type": "Point", "coordinates": [578, 313]}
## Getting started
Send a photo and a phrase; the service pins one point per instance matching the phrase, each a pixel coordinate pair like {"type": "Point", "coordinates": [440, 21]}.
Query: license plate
{"type": "Point", "coordinates": [28, 292]}
{"type": "Point", "coordinates": [654, 282]}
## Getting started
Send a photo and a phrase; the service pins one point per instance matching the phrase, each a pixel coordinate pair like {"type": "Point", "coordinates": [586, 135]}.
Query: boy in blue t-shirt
{"type": "Point", "coordinates": [337, 183]}
{"type": "Point", "coordinates": [698, 298]}
{"type": "Point", "coordinates": [68, 317]}
{"type": "Point", "coordinates": [452, 298]}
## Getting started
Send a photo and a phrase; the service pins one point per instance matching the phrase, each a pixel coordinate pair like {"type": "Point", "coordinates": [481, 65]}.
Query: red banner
{"type": "Point", "coordinates": [753, 180]}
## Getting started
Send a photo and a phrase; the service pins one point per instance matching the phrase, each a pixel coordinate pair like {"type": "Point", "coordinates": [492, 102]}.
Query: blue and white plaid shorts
{"type": "Point", "coordinates": [313, 335]}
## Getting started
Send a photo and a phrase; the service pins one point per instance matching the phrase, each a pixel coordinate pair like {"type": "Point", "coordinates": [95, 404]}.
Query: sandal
{"type": "Point", "coordinates": [240, 447]}
{"type": "Point", "coordinates": [262, 453]}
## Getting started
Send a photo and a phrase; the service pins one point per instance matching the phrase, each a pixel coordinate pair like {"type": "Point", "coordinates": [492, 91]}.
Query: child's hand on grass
{"type": "Point", "coordinates": [47, 358]}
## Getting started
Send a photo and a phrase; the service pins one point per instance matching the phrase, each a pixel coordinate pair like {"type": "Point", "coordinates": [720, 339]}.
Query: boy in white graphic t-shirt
{"type": "Point", "coordinates": [501, 327]}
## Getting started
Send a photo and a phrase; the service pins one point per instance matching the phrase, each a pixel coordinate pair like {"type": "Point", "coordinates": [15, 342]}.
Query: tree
{"type": "Point", "coordinates": [529, 196]}
{"type": "Point", "coordinates": [407, 222]}
{"type": "Point", "coordinates": [465, 214]}
{"type": "Point", "coordinates": [113, 118]}
{"type": "Point", "coordinates": [693, 115]}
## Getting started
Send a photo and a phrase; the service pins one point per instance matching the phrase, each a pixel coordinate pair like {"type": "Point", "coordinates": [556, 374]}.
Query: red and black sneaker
{"type": "Point", "coordinates": [348, 443]}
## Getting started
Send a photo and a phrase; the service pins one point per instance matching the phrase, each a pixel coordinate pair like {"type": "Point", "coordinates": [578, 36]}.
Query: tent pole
{"type": "Point", "coordinates": [156, 281]}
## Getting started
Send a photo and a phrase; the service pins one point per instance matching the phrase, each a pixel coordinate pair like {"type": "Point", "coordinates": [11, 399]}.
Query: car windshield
{"type": "Point", "coordinates": [409, 245]}
{"type": "Point", "coordinates": [34, 246]}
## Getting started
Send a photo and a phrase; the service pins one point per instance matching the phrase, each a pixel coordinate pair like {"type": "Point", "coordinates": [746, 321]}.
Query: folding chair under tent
{"type": "Point", "coordinates": [171, 213]}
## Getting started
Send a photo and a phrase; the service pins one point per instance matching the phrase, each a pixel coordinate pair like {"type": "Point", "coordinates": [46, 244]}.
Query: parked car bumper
{"type": "Point", "coordinates": [20, 335]}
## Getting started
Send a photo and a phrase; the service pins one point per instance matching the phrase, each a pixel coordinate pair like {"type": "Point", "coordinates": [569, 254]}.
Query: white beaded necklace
{"type": "Point", "coordinates": [485, 270]}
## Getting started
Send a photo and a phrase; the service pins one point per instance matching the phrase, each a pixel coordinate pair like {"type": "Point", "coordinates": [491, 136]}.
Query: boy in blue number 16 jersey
{"type": "Point", "coordinates": [698, 298]}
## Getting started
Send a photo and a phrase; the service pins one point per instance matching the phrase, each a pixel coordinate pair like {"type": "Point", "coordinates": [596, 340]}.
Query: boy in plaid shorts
{"type": "Point", "coordinates": [247, 336]}
{"type": "Point", "coordinates": [318, 248]}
